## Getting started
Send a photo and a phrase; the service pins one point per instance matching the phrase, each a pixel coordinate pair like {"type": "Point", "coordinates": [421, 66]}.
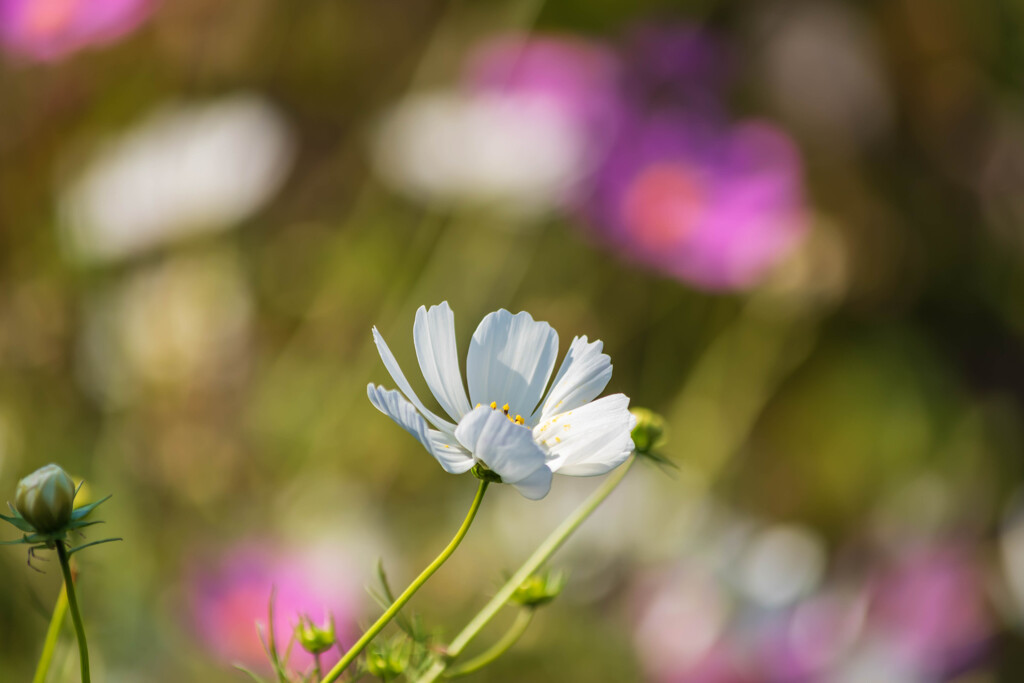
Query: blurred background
{"type": "Point", "coordinates": [798, 227]}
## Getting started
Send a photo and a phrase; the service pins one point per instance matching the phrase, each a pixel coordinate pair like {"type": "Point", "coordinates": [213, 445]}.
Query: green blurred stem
{"type": "Point", "coordinates": [52, 635]}
{"type": "Point", "coordinates": [510, 638]}
{"type": "Point", "coordinates": [539, 557]}
{"type": "Point", "coordinates": [76, 616]}
{"type": "Point", "coordinates": [392, 611]}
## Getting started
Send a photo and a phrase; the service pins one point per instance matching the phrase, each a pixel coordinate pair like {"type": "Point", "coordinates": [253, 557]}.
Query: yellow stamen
{"type": "Point", "coordinates": [518, 419]}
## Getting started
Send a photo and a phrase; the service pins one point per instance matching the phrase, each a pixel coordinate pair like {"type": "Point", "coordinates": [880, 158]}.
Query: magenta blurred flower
{"type": "Point", "coordinates": [229, 599]}
{"type": "Point", "coordinates": [48, 30]}
{"type": "Point", "coordinates": [712, 204]}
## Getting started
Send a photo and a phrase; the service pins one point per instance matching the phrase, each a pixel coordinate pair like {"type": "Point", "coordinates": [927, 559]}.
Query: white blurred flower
{"type": "Point", "coordinates": [516, 154]}
{"type": "Point", "coordinates": [782, 563]}
{"type": "Point", "coordinates": [516, 429]}
{"type": "Point", "coordinates": [185, 170]}
{"type": "Point", "coordinates": [184, 322]}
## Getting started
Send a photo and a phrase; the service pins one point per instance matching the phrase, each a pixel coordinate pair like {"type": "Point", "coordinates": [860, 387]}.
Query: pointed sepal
{"type": "Point", "coordinates": [23, 539]}
{"type": "Point", "coordinates": [85, 510]}
{"type": "Point", "coordinates": [72, 551]}
{"type": "Point", "coordinates": [17, 521]}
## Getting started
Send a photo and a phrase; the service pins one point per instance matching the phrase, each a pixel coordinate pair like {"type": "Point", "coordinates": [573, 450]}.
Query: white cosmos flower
{"type": "Point", "coordinates": [516, 430]}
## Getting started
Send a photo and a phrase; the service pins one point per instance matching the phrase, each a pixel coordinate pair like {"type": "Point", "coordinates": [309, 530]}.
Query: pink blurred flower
{"type": "Point", "coordinates": [48, 30]}
{"type": "Point", "coordinates": [715, 205]}
{"type": "Point", "coordinates": [228, 600]}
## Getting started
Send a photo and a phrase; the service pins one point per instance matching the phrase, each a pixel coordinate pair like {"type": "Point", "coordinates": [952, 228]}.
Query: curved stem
{"type": "Point", "coordinates": [392, 611]}
{"type": "Point", "coordinates": [539, 557]}
{"type": "Point", "coordinates": [510, 638]}
{"type": "Point", "coordinates": [76, 616]}
{"type": "Point", "coordinates": [60, 610]}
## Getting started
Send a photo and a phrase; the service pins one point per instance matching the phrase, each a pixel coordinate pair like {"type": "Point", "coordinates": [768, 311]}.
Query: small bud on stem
{"type": "Point", "coordinates": [45, 498]}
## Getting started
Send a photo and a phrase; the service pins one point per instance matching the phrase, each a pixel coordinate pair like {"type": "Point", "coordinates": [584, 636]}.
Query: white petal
{"type": "Point", "coordinates": [434, 336]}
{"type": "Point", "coordinates": [449, 452]}
{"type": "Point", "coordinates": [535, 486]}
{"type": "Point", "coordinates": [590, 440]}
{"type": "Point", "coordinates": [396, 373]}
{"type": "Point", "coordinates": [452, 457]}
{"type": "Point", "coordinates": [510, 361]}
{"type": "Point", "coordinates": [582, 377]}
{"type": "Point", "coordinates": [506, 448]}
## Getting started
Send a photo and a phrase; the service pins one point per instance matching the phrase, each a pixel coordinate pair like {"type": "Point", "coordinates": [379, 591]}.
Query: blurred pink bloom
{"type": "Point", "coordinates": [48, 30]}
{"type": "Point", "coordinates": [229, 599]}
{"type": "Point", "coordinates": [715, 205]}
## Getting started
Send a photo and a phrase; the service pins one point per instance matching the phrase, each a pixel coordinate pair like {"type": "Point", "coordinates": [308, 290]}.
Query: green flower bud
{"type": "Point", "coordinates": [539, 589]}
{"type": "Point", "coordinates": [314, 639]}
{"type": "Point", "coordinates": [389, 660]}
{"type": "Point", "coordinates": [649, 432]}
{"type": "Point", "coordinates": [45, 499]}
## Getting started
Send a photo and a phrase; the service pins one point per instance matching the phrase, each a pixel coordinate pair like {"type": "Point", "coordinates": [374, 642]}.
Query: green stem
{"type": "Point", "coordinates": [60, 610]}
{"type": "Point", "coordinates": [76, 616]}
{"type": "Point", "coordinates": [392, 611]}
{"type": "Point", "coordinates": [510, 638]}
{"type": "Point", "coordinates": [539, 557]}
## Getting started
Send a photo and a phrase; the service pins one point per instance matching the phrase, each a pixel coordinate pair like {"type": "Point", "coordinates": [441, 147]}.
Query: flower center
{"type": "Point", "coordinates": [663, 206]}
{"type": "Point", "coordinates": [518, 419]}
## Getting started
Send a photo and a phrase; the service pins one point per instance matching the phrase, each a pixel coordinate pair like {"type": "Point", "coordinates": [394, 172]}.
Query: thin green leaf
{"type": "Point", "coordinates": [251, 674]}
{"type": "Point", "coordinates": [400, 619]}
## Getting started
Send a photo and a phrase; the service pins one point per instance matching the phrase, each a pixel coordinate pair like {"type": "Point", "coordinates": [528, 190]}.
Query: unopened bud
{"type": "Point", "coordinates": [314, 639]}
{"type": "Point", "coordinates": [649, 432]}
{"type": "Point", "coordinates": [389, 660]}
{"type": "Point", "coordinates": [45, 499]}
{"type": "Point", "coordinates": [539, 589]}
